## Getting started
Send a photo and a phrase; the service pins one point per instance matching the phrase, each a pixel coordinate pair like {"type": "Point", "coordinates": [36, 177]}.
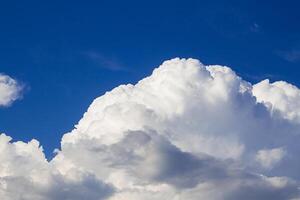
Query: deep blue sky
{"type": "Point", "coordinates": [69, 52]}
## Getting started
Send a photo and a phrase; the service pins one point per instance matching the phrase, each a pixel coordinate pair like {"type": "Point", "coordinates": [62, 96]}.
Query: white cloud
{"type": "Point", "coordinates": [267, 158]}
{"type": "Point", "coordinates": [25, 174]}
{"type": "Point", "coordinates": [10, 90]}
{"type": "Point", "coordinates": [280, 98]}
{"type": "Point", "coordinates": [188, 131]}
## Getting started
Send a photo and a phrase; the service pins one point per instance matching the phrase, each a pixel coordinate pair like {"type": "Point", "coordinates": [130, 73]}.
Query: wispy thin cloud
{"type": "Point", "coordinates": [103, 61]}
{"type": "Point", "coordinates": [290, 55]}
{"type": "Point", "coordinates": [255, 28]}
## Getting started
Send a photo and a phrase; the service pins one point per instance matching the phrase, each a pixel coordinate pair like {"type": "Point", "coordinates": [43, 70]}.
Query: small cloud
{"type": "Point", "coordinates": [291, 55]}
{"type": "Point", "coordinates": [104, 61]}
{"type": "Point", "coordinates": [10, 90]}
{"type": "Point", "coordinates": [267, 158]}
{"type": "Point", "coordinates": [255, 28]}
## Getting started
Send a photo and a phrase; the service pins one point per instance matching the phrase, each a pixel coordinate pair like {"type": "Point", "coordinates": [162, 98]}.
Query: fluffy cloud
{"type": "Point", "coordinates": [188, 131]}
{"type": "Point", "coordinates": [25, 174]}
{"type": "Point", "coordinates": [280, 98]}
{"type": "Point", "coordinates": [9, 90]}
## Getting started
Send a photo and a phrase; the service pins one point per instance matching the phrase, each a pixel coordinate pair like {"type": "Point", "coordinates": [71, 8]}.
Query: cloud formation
{"type": "Point", "coordinates": [290, 55]}
{"type": "Point", "coordinates": [103, 61]}
{"type": "Point", "coordinates": [270, 157]}
{"type": "Point", "coordinates": [10, 90]}
{"type": "Point", "coordinates": [188, 131]}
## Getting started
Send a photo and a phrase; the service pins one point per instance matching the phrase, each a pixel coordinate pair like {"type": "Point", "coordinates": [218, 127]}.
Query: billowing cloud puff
{"type": "Point", "coordinates": [280, 98]}
{"type": "Point", "coordinates": [26, 174]}
{"type": "Point", "coordinates": [188, 131]}
{"type": "Point", "coordinates": [9, 90]}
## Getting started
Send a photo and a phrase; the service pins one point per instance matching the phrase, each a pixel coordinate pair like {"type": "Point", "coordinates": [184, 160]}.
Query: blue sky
{"type": "Point", "coordinates": [67, 53]}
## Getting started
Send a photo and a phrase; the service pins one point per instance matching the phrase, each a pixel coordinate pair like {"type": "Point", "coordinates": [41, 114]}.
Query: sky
{"type": "Point", "coordinates": [60, 59]}
{"type": "Point", "coordinates": [67, 53]}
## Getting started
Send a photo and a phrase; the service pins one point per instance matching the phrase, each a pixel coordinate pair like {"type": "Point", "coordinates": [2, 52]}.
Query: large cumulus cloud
{"type": "Point", "coordinates": [188, 131]}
